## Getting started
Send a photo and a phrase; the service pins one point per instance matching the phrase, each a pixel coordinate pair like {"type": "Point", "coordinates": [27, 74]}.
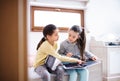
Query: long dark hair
{"type": "Point", "coordinates": [48, 30]}
{"type": "Point", "coordinates": [81, 41]}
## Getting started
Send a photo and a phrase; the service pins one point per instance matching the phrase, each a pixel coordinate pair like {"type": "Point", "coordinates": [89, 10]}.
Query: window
{"type": "Point", "coordinates": [62, 18]}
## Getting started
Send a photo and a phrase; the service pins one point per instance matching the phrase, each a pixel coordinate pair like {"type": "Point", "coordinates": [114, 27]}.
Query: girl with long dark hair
{"type": "Point", "coordinates": [74, 47]}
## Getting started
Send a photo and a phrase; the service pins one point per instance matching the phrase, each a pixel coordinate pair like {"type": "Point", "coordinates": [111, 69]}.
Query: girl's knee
{"type": "Point", "coordinates": [46, 74]}
{"type": "Point", "coordinates": [83, 71]}
{"type": "Point", "coordinates": [86, 71]}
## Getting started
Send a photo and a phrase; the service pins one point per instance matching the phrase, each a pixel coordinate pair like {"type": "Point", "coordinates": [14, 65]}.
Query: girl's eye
{"type": "Point", "coordinates": [69, 35]}
{"type": "Point", "coordinates": [73, 36]}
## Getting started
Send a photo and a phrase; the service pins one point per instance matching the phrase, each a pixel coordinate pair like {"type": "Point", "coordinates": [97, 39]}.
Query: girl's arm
{"type": "Point", "coordinates": [90, 55]}
{"type": "Point", "coordinates": [62, 50]}
{"type": "Point", "coordinates": [50, 50]}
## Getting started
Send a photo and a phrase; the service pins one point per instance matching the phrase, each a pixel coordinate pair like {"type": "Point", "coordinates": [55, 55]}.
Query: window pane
{"type": "Point", "coordinates": [60, 19]}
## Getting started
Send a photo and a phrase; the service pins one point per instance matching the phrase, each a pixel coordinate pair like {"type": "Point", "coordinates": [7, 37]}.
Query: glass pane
{"type": "Point", "coordinates": [60, 19]}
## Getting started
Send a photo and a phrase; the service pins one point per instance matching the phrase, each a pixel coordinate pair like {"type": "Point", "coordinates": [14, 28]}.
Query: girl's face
{"type": "Point", "coordinates": [73, 36]}
{"type": "Point", "coordinates": [54, 36]}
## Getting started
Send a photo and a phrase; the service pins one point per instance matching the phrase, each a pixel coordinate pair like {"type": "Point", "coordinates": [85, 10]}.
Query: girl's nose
{"type": "Point", "coordinates": [70, 38]}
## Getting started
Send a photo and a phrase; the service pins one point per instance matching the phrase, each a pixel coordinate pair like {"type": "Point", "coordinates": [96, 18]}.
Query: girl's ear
{"type": "Point", "coordinates": [47, 37]}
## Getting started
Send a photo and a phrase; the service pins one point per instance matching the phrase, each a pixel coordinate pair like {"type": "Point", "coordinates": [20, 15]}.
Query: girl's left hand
{"type": "Point", "coordinates": [94, 58]}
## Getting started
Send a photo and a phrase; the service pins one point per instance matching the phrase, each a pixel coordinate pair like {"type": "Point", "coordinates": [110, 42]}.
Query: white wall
{"type": "Point", "coordinates": [102, 17]}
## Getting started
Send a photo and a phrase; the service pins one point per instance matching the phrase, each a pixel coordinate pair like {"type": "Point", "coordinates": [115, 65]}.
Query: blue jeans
{"type": "Point", "coordinates": [83, 74]}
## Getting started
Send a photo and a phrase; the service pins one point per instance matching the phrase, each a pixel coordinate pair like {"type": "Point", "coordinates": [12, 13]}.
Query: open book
{"type": "Point", "coordinates": [79, 66]}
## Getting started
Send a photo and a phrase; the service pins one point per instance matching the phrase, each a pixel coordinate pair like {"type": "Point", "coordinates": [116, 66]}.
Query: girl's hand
{"type": "Point", "coordinates": [94, 58]}
{"type": "Point", "coordinates": [80, 61]}
{"type": "Point", "coordinates": [69, 54]}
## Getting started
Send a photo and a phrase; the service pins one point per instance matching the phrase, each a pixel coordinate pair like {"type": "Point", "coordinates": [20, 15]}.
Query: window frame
{"type": "Point", "coordinates": [61, 29]}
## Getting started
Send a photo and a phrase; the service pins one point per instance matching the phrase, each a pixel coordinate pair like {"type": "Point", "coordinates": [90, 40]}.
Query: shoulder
{"type": "Point", "coordinates": [64, 42]}
{"type": "Point", "coordinates": [45, 44]}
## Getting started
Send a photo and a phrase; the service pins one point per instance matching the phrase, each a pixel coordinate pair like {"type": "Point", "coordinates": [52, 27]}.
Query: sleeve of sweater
{"type": "Point", "coordinates": [89, 54]}
{"type": "Point", "coordinates": [50, 50]}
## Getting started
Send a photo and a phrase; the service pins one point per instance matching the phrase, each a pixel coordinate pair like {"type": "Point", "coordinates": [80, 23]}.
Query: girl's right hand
{"type": "Point", "coordinates": [80, 61]}
{"type": "Point", "coordinates": [69, 54]}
